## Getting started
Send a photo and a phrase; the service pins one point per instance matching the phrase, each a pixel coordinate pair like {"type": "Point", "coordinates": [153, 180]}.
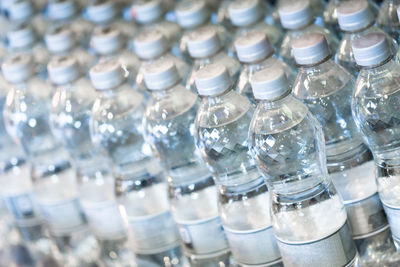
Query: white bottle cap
{"type": "Point", "coordinates": [253, 46]}
{"type": "Point", "coordinates": [269, 83]}
{"type": "Point", "coordinates": [21, 37]}
{"type": "Point", "coordinates": [244, 12]}
{"type": "Point", "coordinates": [63, 69]}
{"type": "Point", "coordinates": [107, 75]}
{"type": "Point", "coordinates": [20, 10]}
{"type": "Point", "coordinates": [191, 13]}
{"type": "Point", "coordinates": [101, 11]}
{"type": "Point", "coordinates": [150, 44]}
{"type": "Point", "coordinates": [295, 14]}
{"type": "Point", "coordinates": [354, 15]}
{"type": "Point", "coordinates": [107, 40]}
{"type": "Point", "coordinates": [18, 68]}
{"type": "Point", "coordinates": [371, 49]}
{"type": "Point", "coordinates": [146, 11]}
{"type": "Point", "coordinates": [310, 49]}
{"type": "Point", "coordinates": [212, 80]}
{"type": "Point", "coordinates": [61, 9]}
{"type": "Point", "coordinates": [59, 39]}
{"type": "Point", "coordinates": [203, 42]}
{"type": "Point", "coordinates": [161, 74]}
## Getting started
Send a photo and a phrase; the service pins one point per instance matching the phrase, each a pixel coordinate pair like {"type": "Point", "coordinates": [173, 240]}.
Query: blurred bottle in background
{"type": "Point", "coordinates": [141, 189]}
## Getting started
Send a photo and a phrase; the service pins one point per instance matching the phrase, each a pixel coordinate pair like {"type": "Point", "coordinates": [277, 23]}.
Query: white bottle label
{"type": "Point", "coordinates": [63, 217]}
{"type": "Point", "coordinates": [203, 237]}
{"type": "Point", "coordinates": [154, 233]}
{"type": "Point", "coordinates": [23, 208]}
{"type": "Point", "coordinates": [366, 216]}
{"type": "Point", "coordinates": [393, 215]}
{"type": "Point", "coordinates": [253, 247]}
{"type": "Point", "coordinates": [104, 219]}
{"type": "Point", "coordinates": [336, 249]}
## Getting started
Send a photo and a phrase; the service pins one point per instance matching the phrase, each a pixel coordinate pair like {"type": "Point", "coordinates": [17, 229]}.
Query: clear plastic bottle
{"type": "Point", "coordinates": [23, 40]}
{"type": "Point", "coordinates": [151, 45]}
{"type": "Point", "coordinates": [355, 19]}
{"type": "Point", "coordinates": [67, 13]}
{"type": "Point", "coordinates": [255, 52]}
{"type": "Point", "coordinates": [193, 14]}
{"type": "Point", "coordinates": [296, 17]}
{"type": "Point", "coordinates": [388, 19]}
{"type": "Point", "coordinates": [26, 117]}
{"type": "Point", "coordinates": [205, 47]}
{"type": "Point", "coordinates": [70, 115]}
{"type": "Point", "coordinates": [149, 14]}
{"type": "Point", "coordinates": [287, 142]}
{"type": "Point", "coordinates": [375, 111]}
{"type": "Point", "coordinates": [106, 13]}
{"type": "Point", "coordinates": [326, 89]}
{"type": "Point", "coordinates": [168, 127]}
{"type": "Point", "coordinates": [17, 197]}
{"type": "Point", "coordinates": [247, 16]}
{"type": "Point", "coordinates": [109, 42]}
{"type": "Point", "coordinates": [61, 41]}
{"type": "Point", "coordinates": [116, 127]}
{"type": "Point", "coordinates": [222, 124]}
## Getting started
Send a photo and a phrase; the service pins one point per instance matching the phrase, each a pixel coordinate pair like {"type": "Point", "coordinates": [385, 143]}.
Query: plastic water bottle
{"type": "Point", "coordinates": [151, 45]}
{"type": "Point", "coordinates": [388, 19]}
{"type": "Point", "coordinates": [26, 116]}
{"type": "Point", "coordinates": [169, 129]}
{"type": "Point", "coordinates": [107, 13]}
{"type": "Point", "coordinates": [222, 124]}
{"type": "Point", "coordinates": [149, 14]}
{"type": "Point", "coordinates": [193, 14]}
{"type": "Point", "coordinates": [17, 197]}
{"type": "Point", "coordinates": [355, 19]}
{"type": "Point", "coordinates": [66, 13]}
{"type": "Point", "coordinates": [205, 48]}
{"type": "Point", "coordinates": [23, 40]}
{"type": "Point", "coordinates": [255, 53]}
{"type": "Point", "coordinates": [296, 17]}
{"type": "Point", "coordinates": [61, 41]}
{"type": "Point", "coordinates": [247, 15]}
{"type": "Point", "coordinates": [116, 127]}
{"type": "Point", "coordinates": [326, 89]}
{"type": "Point", "coordinates": [331, 18]}
{"type": "Point", "coordinates": [110, 43]}
{"type": "Point", "coordinates": [374, 109]}
{"type": "Point", "coordinates": [308, 216]}
{"type": "Point", "coordinates": [70, 115]}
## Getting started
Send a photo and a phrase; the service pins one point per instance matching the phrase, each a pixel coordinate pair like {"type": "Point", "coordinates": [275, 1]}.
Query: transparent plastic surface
{"type": "Point", "coordinates": [116, 127]}
{"type": "Point", "coordinates": [221, 134]}
{"type": "Point", "coordinates": [374, 106]}
{"type": "Point", "coordinates": [307, 213]}
{"type": "Point", "coordinates": [169, 129]}
{"type": "Point", "coordinates": [27, 120]}
{"type": "Point", "coordinates": [388, 19]}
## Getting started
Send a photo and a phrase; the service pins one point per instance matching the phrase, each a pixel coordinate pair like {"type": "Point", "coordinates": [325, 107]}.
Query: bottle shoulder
{"type": "Point", "coordinates": [278, 116]}
{"type": "Point", "coordinates": [222, 110]}
{"type": "Point", "coordinates": [169, 104]}
{"type": "Point", "coordinates": [321, 80]}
